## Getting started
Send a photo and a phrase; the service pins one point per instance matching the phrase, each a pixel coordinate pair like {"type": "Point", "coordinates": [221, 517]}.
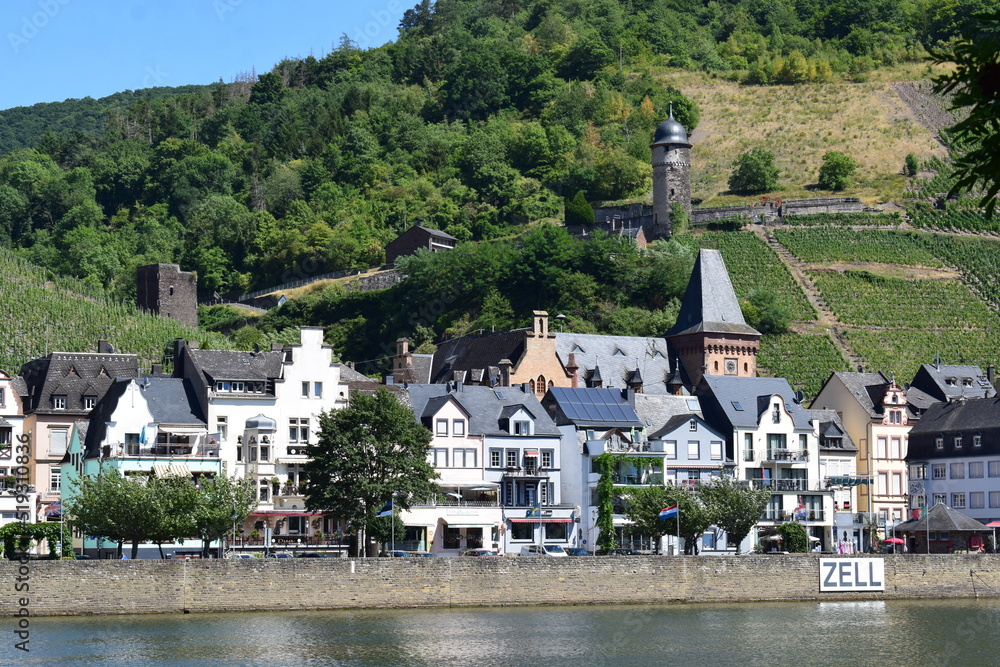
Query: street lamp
{"type": "Point", "coordinates": [561, 318]}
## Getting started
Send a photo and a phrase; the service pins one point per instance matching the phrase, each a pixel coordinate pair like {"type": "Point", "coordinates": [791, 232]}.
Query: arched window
{"type": "Point", "coordinates": [540, 386]}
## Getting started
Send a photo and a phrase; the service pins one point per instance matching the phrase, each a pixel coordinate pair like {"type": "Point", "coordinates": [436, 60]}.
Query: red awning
{"type": "Point", "coordinates": [541, 519]}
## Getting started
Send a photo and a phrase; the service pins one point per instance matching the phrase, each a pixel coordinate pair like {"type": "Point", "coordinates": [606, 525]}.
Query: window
{"type": "Point", "coordinates": [976, 500]}
{"type": "Point", "coordinates": [918, 471]}
{"type": "Point", "coordinates": [977, 440]}
{"type": "Point", "coordinates": [317, 389]}
{"type": "Point", "coordinates": [55, 479]}
{"type": "Point", "coordinates": [522, 531]}
{"type": "Point", "coordinates": [298, 430]}
{"type": "Point", "coordinates": [958, 442]}
{"type": "Point", "coordinates": [693, 425]}
{"type": "Point", "coordinates": [522, 428]}
{"type": "Point", "coordinates": [881, 482]}
{"type": "Point", "coordinates": [716, 450]}
{"type": "Point", "coordinates": [894, 450]}
{"type": "Point", "coordinates": [59, 402]}
{"type": "Point", "coordinates": [895, 416]}
{"type": "Point", "coordinates": [880, 450]}
{"type": "Point", "coordinates": [939, 471]}
{"type": "Point", "coordinates": [239, 387]}
{"type": "Point", "coordinates": [748, 447]}
{"type": "Point", "coordinates": [57, 441]}
{"type": "Point", "coordinates": [917, 501]}
{"type": "Point", "coordinates": [265, 490]}
{"type": "Point", "coordinates": [458, 427]}
{"type": "Point", "coordinates": [994, 469]}
{"type": "Point", "coordinates": [438, 457]}
{"type": "Point", "coordinates": [89, 402]}
{"type": "Point", "coordinates": [441, 427]}
{"type": "Point", "coordinates": [222, 428]}
{"type": "Point", "coordinates": [2, 396]}
{"type": "Point", "coordinates": [939, 498]}
{"type": "Point", "coordinates": [305, 390]}
{"type": "Point", "coordinates": [939, 443]}
{"type": "Point", "coordinates": [496, 458]}
{"type": "Point", "coordinates": [465, 458]}
{"type": "Point", "coordinates": [897, 484]}
{"type": "Point", "coordinates": [557, 532]}
{"type": "Point", "coordinates": [694, 450]}
{"type": "Point", "coordinates": [670, 449]}
{"type": "Point", "coordinates": [958, 471]}
{"type": "Point", "coordinates": [511, 458]}
{"type": "Point", "coordinates": [975, 469]}
{"type": "Point", "coordinates": [776, 414]}
{"type": "Point", "coordinates": [546, 459]}
{"type": "Point", "coordinates": [265, 453]}
{"type": "Point", "coordinates": [994, 498]}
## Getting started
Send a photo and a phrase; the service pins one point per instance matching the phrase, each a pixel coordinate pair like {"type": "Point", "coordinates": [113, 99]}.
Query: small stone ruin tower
{"type": "Point", "coordinates": [671, 172]}
{"type": "Point", "coordinates": [167, 291]}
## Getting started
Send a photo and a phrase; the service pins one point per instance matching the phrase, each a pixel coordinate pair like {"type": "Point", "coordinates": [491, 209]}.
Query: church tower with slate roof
{"type": "Point", "coordinates": [710, 336]}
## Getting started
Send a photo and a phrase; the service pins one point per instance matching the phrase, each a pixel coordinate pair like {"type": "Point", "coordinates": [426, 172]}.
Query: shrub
{"type": "Point", "coordinates": [754, 172]}
{"type": "Point", "coordinates": [837, 171]}
{"type": "Point", "coordinates": [578, 211]}
{"type": "Point", "coordinates": [911, 165]}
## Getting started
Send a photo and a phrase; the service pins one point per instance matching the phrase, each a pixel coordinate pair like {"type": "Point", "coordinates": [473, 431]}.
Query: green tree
{"type": "Point", "coordinates": [645, 504]}
{"type": "Point", "coordinates": [679, 219]}
{"type": "Point", "coordinates": [911, 165]}
{"type": "Point", "coordinates": [604, 465]}
{"type": "Point", "coordinates": [765, 313]}
{"type": "Point", "coordinates": [836, 171]}
{"type": "Point", "coordinates": [367, 452]}
{"type": "Point", "coordinates": [754, 172]}
{"type": "Point", "coordinates": [975, 85]}
{"type": "Point", "coordinates": [733, 507]}
{"type": "Point", "coordinates": [578, 210]}
{"type": "Point", "coordinates": [794, 538]}
{"type": "Point", "coordinates": [224, 503]}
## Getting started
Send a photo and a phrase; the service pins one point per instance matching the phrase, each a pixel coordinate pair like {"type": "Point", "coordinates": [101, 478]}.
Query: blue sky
{"type": "Point", "coordinates": [58, 49]}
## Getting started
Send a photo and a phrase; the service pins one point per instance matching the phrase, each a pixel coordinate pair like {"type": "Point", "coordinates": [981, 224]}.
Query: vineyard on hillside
{"type": "Point", "coordinates": [804, 360]}
{"type": "Point", "coordinates": [830, 244]}
{"type": "Point", "coordinates": [42, 313]}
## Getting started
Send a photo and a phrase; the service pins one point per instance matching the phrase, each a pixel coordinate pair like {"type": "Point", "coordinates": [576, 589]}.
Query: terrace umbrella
{"type": "Point", "coordinates": [894, 540]}
{"type": "Point", "coordinates": [993, 525]}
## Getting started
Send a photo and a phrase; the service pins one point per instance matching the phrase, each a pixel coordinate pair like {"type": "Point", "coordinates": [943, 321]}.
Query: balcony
{"type": "Point", "coordinates": [515, 471]}
{"type": "Point", "coordinates": [132, 450]}
{"type": "Point", "coordinates": [790, 515]}
{"type": "Point", "coordinates": [639, 480]}
{"type": "Point", "coordinates": [787, 455]}
{"type": "Point", "coordinates": [781, 485]}
{"type": "Point", "coordinates": [748, 455]}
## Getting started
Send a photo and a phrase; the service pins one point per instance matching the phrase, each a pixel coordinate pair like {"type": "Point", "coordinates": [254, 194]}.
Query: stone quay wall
{"type": "Point", "coordinates": [148, 586]}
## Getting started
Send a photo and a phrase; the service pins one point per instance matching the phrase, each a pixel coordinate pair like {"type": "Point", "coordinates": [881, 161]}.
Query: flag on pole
{"type": "Point", "coordinates": [55, 509]}
{"type": "Point", "coordinates": [669, 512]}
{"type": "Point", "coordinates": [386, 510]}
{"type": "Point", "coordinates": [534, 512]}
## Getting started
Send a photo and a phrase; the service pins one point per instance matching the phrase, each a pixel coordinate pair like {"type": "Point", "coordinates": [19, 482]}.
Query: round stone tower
{"type": "Point", "coordinates": [671, 172]}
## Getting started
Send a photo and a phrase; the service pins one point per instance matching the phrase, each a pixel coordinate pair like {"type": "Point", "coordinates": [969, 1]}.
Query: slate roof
{"type": "Point", "coordinates": [590, 408]}
{"type": "Point", "coordinates": [618, 357]}
{"type": "Point", "coordinates": [753, 396]}
{"type": "Point", "coordinates": [868, 389]}
{"type": "Point", "coordinates": [656, 411]}
{"type": "Point", "coordinates": [941, 517]}
{"type": "Point", "coordinates": [73, 375]}
{"type": "Point", "coordinates": [171, 401]}
{"type": "Point", "coordinates": [476, 353]}
{"type": "Point", "coordinates": [968, 417]}
{"type": "Point", "coordinates": [710, 304]}
{"type": "Point", "coordinates": [832, 426]}
{"type": "Point", "coordinates": [348, 374]}
{"type": "Point", "coordinates": [934, 381]}
{"type": "Point", "coordinates": [216, 365]}
{"type": "Point", "coordinates": [485, 406]}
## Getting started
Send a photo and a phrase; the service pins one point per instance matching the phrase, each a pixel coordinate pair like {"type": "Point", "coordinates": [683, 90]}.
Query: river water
{"type": "Point", "coordinates": [901, 632]}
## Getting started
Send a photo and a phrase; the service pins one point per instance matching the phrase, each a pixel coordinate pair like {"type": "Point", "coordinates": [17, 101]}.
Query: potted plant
{"type": "Point", "coordinates": [9, 481]}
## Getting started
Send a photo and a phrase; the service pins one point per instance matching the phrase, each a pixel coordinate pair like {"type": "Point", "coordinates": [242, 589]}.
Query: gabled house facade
{"type": "Point", "coordinates": [876, 414]}
{"type": "Point", "coordinates": [61, 388]}
{"type": "Point", "coordinates": [775, 445]}
{"type": "Point", "coordinates": [938, 382]}
{"type": "Point", "coordinates": [500, 473]}
{"type": "Point", "coordinates": [954, 458]}
{"type": "Point", "coordinates": [263, 410]}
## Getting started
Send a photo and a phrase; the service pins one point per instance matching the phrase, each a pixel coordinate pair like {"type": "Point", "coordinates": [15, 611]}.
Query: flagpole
{"type": "Point", "coordinates": [678, 529]}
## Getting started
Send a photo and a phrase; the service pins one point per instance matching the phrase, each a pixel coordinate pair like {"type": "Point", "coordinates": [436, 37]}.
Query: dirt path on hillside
{"type": "Point", "coordinates": [826, 318]}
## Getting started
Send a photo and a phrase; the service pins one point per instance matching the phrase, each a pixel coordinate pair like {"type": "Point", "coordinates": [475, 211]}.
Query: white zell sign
{"type": "Point", "coordinates": [851, 574]}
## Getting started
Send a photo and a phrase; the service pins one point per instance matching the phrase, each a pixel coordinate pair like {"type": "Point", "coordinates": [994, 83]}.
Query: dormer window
{"type": "Point", "coordinates": [522, 427]}
{"type": "Point", "coordinates": [59, 402]}
{"type": "Point", "coordinates": [89, 402]}
{"type": "Point", "coordinates": [776, 414]}
{"type": "Point", "coordinates": [693, 425]}
{"type": "Point", "coordinates": [958, 442]}
{"type": "Point", "coordinates": [977, 440]}
{"type": "Point", "coordinates": [939, 443]}
{"type": "Point", "coordinates": [967, 382]}
{"type": "Point", "coordinates": [951, 382]}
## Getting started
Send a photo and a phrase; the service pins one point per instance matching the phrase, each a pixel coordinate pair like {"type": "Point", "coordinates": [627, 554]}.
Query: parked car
{"type": "Point", "coordinates": [577, 551]}
{"type": "Point", "coordinates": [83, 557]}
{"type": "Point", "coordinates": [622, 551]}
{"type": "Point", "coordinates": [479, 552]}
{"type": "Point", "coordinates": [279, 555]}
{"type": "Point", "coordinates": [543, 550]}
{"type": "Point", "coordinates": [241, 556]}
{"type": "Point", "coordinates": [311, 554]}
{"type": "Point", "coordinates": [395, 554]}
{"type": "Point", "coordinates": [422, 553]}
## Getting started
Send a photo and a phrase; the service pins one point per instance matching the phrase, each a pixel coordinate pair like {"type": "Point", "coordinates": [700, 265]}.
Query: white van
{"type": "Point", "coordinates": [543, 550]}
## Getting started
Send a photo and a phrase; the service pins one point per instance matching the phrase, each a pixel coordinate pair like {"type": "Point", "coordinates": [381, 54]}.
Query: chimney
{"type": "Point", "coordinates": [194, 345]}
{"type": "Point", "coordinates": [574, 371]}
{"type": "Point", "coordinates": [540, 319]}
{"type": "Point", "coordinates": [103, 347]}
{"type": "Point", "coordinates": [990, 373]}
{"type": "Point", "coordinates": [505, 365]}
{"type": "Point", "coordinates": [157, 369]}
